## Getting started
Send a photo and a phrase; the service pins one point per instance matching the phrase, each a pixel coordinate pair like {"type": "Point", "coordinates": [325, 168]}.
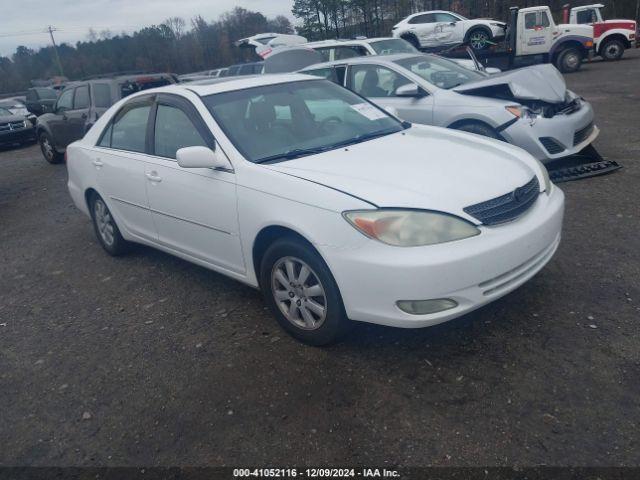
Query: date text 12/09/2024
{"type": "Point", "coordinates": [315, 472]}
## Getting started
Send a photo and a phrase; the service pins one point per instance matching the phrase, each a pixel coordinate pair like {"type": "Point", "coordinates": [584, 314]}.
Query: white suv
{"type": "Point", "coordinates": [438, 28]}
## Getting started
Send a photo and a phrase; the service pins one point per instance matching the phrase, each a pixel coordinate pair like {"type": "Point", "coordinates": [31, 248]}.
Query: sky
{"type": "Point", "coordinates": [25, 22]}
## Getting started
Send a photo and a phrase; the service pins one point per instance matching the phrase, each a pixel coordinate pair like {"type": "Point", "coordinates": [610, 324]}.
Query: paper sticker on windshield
{"type": "Point", "coordinates": [369, 111]}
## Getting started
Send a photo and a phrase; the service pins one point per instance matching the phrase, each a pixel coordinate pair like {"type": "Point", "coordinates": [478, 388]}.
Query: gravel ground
{"type": "Point", "coordinates": [149, 360]}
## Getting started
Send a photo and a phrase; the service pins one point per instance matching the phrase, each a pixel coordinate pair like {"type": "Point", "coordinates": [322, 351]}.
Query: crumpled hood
{"type": "Point", "coordinates": [539, 82]}
{"type": "Point", "coordinates": [424, 167]}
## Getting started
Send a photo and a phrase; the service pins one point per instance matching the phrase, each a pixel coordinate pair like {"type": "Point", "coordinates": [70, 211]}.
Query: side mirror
{"type": "Point", "coordinates": [201, 157]}
{"type": "Point", "coordinates": [492, 70]}
{"type": "Point", "coordinates": [409, 90]}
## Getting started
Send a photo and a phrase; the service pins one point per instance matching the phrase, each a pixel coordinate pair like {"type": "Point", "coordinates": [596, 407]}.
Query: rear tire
{"type": "Point", "coordinates": [412, 39]}
{"type": "Point", "coordinates": [478, 128]}
{"type": "Point", "coordinates": [106, 229]}
{"type": "Point", "coordinates": [612, 50]}
{"type": "Point", "coordinates": [48, 149]}
{"type": "Point", "coordinates": [307, 305]}
{"type": "Point", "coordinates": [569, 60]}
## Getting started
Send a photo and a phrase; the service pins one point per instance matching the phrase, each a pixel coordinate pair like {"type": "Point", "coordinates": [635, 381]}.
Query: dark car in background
{"type": "Point", "coordinates": [40, 100]}
{"type": "Point", "coordinates": [81, 103]}
{"type": "Point", "coordinates": [15, 128]}
{"type": "Point", "coordinates": [17, 107]}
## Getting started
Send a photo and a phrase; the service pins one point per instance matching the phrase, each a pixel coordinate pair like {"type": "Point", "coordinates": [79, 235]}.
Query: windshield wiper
{"type": "Point", "coordinates": [301, 152]}
{"type": "Point", "coordinates": [295, 153]}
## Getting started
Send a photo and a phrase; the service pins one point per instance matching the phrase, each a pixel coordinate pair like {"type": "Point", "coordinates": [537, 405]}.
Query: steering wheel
{"type": "Point", "coordinates": [333, 119]}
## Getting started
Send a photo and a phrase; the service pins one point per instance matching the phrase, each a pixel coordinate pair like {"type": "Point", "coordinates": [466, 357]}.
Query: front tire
{"type": "Point", "coordinates": [612, 50]}
{"type": "Point", "coordinates": [302, 293]}
{"type": "Point", "coordinates": [48, 149]}
{"type": "Point", "coordinates": [478, 128]}
{"type": "Point", "coordinates": [569, 60]}
{"type": "Point", "coordinates": [106, 229]}
{"type": "Point", "coordinates": [479, 38]}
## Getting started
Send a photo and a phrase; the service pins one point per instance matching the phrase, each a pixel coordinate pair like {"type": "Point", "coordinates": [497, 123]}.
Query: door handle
{"type": "Point", "coordinates": [97, 162]}
{"type": "Point", "coordinates": [153, 177]}
{"type": "Point", "coordinates": [84, 116]}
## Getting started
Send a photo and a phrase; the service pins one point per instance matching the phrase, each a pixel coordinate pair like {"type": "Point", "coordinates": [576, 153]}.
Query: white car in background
{"type": "Point", "coordinates": [334, 208]}
{"type": "Point", "coordinates": [529, 107]}
{"type": "Point", "coordinates": [439, 28]}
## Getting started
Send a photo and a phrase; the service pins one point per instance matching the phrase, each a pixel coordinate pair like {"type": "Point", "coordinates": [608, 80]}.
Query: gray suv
{"type": "Point", "coordinates": [81, 103]}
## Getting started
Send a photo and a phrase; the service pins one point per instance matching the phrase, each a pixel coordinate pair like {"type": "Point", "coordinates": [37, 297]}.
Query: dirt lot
{"type": "Point", "coordinates": [149, 360]}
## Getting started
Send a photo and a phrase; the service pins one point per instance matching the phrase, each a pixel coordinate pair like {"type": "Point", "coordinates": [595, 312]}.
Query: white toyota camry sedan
{"type": "Point", "coordinates": [335, 209]}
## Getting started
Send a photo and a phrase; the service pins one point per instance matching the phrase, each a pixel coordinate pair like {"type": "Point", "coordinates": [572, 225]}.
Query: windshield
{"type": "Point", "coordinates": [47, 93]}
{"type": "Point", "coordinates": [4, 111]}
{"type": "Point", "coordinates": [439, 71]}
{"type": "Point", "coordinates": [288, 120]}
{"type": "Point", "coordinates": [391, 46]}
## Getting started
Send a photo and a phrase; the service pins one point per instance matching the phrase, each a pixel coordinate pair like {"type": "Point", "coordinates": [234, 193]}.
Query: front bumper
{"type": "Point", "coordinates": [18, 136]}
{"type": "Point", "coordinates": [557, 137]}
{"type": "Point", "coordinates": [472, 272]}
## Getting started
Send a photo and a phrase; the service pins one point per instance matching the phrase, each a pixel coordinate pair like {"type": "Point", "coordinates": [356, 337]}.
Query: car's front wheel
{"type": "Point", "coordinates": [48, 149]}
{"type": "Point", "coordinates": [569, 60]}
{"type": "Point", "coordinates": [612, 50]}
{"type": "Point", "coordinates": [478, 128]}
{"type": "Point", "coordinates": [479, 39]}
{"type": "Point", "coordinates": [302, 293]}
{"type": "Point", "coordinates": [105, 227]}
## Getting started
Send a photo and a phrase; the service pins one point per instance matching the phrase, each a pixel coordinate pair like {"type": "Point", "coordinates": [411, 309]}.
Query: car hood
{"type": "Point", "coordinates": [539, 82]}
{"type": "Point", "coordinates": [423, 167]}
{"type": "Point", "coordinates": [11, 118]}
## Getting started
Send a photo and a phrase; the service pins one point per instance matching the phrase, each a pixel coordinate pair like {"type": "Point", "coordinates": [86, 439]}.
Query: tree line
{"type": "Point", "coordinates": [179, 46]}
{"type": "Point", "coordinates": [175, 46]}
{"type": "Point", "coordinates": [320, 19]}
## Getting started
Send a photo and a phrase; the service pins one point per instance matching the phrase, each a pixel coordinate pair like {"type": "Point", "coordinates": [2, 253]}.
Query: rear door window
{"type": "Point", "coordinates": [129, 129]}
{"type": "Point", "coordinates": [425, 18]}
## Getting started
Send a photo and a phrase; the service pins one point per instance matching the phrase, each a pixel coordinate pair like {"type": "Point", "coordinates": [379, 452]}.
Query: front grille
{"type": "Point", "coordinates": [7, 127]}
{"type": "Point", "coordinates": [507, 207]}
{"type": "Point", "coordinates": [551, 144]}
{"type": "Point", "coordinates": [565, 108]}
{"type": "Point", "coordinates": [582, 134]}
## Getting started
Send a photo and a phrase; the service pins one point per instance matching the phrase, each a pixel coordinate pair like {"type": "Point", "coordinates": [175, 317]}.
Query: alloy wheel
{"type": "Point", "coordinates": [104, 221]}
{"type": "Point", "coordinates": [299, 294]}
{"type": "Point", "coordinates": [47, 148]}
{"type": "Point", "coordinates": [478, 40]}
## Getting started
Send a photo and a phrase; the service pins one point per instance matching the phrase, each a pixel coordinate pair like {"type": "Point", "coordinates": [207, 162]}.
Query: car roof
{"type": "Point", "coordinates": [367, 59]}
{"type": "Point", "coordinates": [229, 84]}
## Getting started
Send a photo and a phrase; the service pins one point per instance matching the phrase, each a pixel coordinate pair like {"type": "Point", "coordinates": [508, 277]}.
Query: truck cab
{"type": "Point", "coordinates": [538, 39]}
{"type": "Point", "coordinates": [610, 37]}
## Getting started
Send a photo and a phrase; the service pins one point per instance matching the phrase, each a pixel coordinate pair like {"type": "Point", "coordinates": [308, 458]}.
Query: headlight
{"type": "Point", "coordinates": [410, 228]}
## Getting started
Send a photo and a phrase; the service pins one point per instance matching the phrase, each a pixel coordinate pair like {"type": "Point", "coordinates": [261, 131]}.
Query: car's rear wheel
{"type": "Point", "coordinates": [569, 60]}
{"type": "Point", "coordinates": [612, 50]}
{"type": "Point", "coordinates": [479, 39]}
{"type": "Point", "coordinates": [412, 39]}
{"type": "Point", "coordinates": [48, 149]}
{"type": "Point", "coordinates": [105, 227]}
{"type": "Point", "coordinates": [478, 128]}
{"type": "Point", "coordinates": [301, 292]}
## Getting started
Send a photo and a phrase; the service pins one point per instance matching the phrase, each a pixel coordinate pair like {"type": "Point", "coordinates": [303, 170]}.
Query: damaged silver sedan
{"type": "Point", "coordinates": [530, 107]}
